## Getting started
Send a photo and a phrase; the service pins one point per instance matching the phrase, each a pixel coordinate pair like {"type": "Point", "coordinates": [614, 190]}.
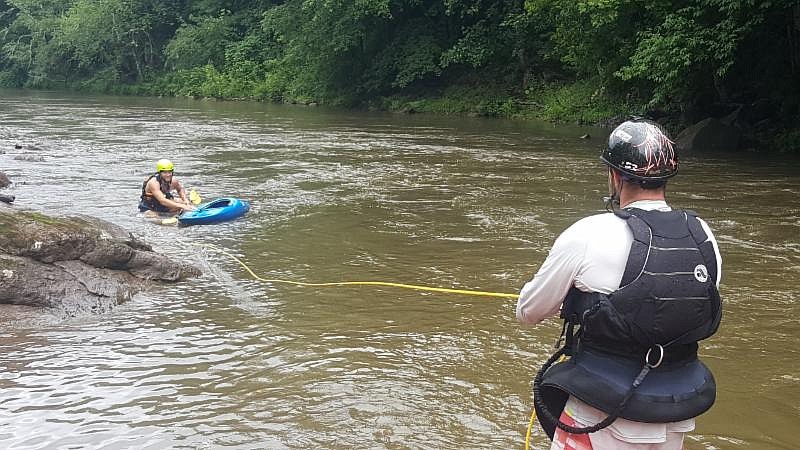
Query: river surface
{"type": "Point", "coordinates": [227, 361]}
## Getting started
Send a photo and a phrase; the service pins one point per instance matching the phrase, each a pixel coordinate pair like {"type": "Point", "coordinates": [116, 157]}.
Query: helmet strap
{"type": "Point", "coordinates": [611, 202]}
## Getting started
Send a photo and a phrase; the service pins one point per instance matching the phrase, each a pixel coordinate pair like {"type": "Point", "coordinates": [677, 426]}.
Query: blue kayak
{"type": "Point", "coordinates": [219, 210]}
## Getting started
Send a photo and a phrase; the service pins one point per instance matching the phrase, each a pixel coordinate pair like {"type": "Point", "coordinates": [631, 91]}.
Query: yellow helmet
{"type": "Point", "coordinates": [164, 165]}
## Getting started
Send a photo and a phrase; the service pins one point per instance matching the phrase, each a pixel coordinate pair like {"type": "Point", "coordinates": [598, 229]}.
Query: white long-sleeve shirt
{"type": "Point", "coordinates": [591, 255]}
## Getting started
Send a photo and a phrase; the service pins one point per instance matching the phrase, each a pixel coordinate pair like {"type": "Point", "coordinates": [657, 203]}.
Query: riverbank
{"type": "Point", "coordinates": [759, 125]}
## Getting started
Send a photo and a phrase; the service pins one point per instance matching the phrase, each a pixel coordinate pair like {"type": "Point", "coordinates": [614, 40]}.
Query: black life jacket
{"type": "Point", "coordinates": [148, 201]}
{"type": "Point", "coordinates": [634, 354]}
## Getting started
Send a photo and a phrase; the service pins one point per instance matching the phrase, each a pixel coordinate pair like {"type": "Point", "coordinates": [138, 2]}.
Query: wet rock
{"type": "Point", "coordinates": [759, 110]}
{"type": "Point", "coordinates": [707, 135]}
{"type": "Point", "coordinates": [71, 287]}
{"type": "Point", "coordinates": [76, 264]}
{"type": "Point", "coordinates": [586, 136]}
{"type": "Point", "coordinates": [4, 181]}
{"type": "Point", "coordinates": [9, 199]}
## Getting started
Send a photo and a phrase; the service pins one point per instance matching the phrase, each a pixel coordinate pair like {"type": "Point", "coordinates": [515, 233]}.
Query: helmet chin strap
{"type": "Point", "coordinates": [611, 202]}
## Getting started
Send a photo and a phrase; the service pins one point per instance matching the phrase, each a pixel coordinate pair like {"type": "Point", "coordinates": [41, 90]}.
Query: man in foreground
{"type": "Point", "coordinates": [157, 191]}
{"type": "Point", "coordinates": [639, 284]}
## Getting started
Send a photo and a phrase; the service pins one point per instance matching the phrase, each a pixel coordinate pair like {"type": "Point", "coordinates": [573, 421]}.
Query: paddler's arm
{"type": "Point", "coordinates": [181, 191]}
{"type": "Point", "coordinates": [185, 203]}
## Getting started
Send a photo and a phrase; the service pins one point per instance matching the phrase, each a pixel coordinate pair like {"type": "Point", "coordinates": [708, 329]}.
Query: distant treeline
{"type": "Point", "coordinates": [576, 60]}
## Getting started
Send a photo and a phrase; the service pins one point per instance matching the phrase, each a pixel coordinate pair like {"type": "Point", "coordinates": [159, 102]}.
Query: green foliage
{"type": "Point", "coordinates": [786, 140]}
{"type": "Point", "coordinates": [584, 102]}
{"type": "Point", "coordinates": [106, 80]}
{"type": "Point", "coordinates": [10, 79]}
{"type": "Point", "coordinates": [412, 56]}
{"type": "Point", "coordinates": [199, 82]}
{"type": "Point", "coordinates": [61, 41]}
{"type": "Point", "coordinates": [324, 44]}
{"type": "Point", "coordinates": [200, 43]}
{"type": "Point", "coordinates": [459, 99]}
{"type": "Point", "coordinates": [691, 47]}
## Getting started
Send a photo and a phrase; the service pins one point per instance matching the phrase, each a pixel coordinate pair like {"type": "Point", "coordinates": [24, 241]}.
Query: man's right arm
{"type": "Point", "coordinates": [542, 297]}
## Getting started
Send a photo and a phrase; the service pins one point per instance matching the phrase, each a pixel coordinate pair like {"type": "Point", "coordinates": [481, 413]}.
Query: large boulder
{"type": "Point", "coordinates": [709, 135]}
{"type": "Point", "coordinates": [76, 264]}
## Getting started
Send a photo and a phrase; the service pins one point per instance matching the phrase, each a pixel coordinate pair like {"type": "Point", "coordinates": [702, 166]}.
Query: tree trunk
{"type": "Point", "coordinates": [793, 33]}
{"type": "Point", "coordinates": [139, 76]}
{"type": "Point", "coordinates": [719, 86]}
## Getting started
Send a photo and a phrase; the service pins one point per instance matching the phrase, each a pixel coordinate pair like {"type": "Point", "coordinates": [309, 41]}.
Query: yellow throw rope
{"type": "Point", "coordinates": [361, 283]}
{"type": "Point", "coordinates": [380, 283]}
{"type": "Point", "coordinates": [530, 427]}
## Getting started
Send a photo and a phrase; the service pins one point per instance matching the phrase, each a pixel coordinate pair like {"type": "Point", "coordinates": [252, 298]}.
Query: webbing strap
{"type": "Point", "coordinates": [640, 249]}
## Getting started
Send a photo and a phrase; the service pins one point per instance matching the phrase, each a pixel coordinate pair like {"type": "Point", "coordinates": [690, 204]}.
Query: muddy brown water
{"type": "Point", "coordinates": [229, 362]}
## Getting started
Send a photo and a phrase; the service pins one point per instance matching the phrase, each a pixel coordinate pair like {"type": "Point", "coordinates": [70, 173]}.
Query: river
{"type": "Point", "coordinates": [227, 361]}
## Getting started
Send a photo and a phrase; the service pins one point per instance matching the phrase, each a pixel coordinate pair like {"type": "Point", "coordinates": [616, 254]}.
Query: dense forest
{"type": "Point", "coordinates": [584, 61]}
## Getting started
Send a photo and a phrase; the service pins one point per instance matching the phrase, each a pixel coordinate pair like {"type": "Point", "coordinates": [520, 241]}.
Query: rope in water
{"type": "Point", "coordinates": [196, 199]}
{"type": "Point", "coordinates": [360, 283]}
{"type": "Point", "coordinates": [378, 283]}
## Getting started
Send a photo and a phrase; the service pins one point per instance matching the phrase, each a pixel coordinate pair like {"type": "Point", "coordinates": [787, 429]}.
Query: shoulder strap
{"type": "Point", "coordinates": [144, 185]}
{"type": "Point", "coordinates": [703, 244]}
{"type": "Point", "coordinates": [640, 247]}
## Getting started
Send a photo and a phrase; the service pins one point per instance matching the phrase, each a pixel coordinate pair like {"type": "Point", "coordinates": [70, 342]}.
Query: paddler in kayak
{"type": "Point", "coordinates": [157, 192]}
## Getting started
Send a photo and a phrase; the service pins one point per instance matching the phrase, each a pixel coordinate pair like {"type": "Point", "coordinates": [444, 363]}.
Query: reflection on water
{"type": "Point", "coordinates": [343, 196]}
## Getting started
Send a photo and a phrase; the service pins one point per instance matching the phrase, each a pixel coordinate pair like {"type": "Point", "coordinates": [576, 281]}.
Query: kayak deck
{"type": "Point", "coordinates": [219, 210]}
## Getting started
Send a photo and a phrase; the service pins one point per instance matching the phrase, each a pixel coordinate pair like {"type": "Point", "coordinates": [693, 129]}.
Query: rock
{"type": "Point", "coordinates": [759, 110]}
{"type": "Point", "coordinates": [7, 198]}
{"type": "Point", "coordinates": [17, 146]}
{"type": "Point", "coordinates": [708, 135]}
{"type": "Point", "coordinates": [70, 286]}
{"type": "Point", "coordinates": [76, 264]}
{"type": "Point", "coordinates": [586, 136]}
{"type": "Point", "coordinates": [4, 181]}
{"type": "Point", "coordinates": [734, 118]}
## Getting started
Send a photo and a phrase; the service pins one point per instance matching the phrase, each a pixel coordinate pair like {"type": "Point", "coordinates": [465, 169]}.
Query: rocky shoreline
{"type": "Point", "coordinates": [76, 264]}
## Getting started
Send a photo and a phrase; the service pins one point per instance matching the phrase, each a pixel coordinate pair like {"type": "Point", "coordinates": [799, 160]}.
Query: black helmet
{"type": "Point", "coordinates": [641, 150]}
